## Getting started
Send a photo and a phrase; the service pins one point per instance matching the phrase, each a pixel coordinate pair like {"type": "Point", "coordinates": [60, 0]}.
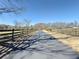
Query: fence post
{"type": "Point", "coordinates": [13, 35]}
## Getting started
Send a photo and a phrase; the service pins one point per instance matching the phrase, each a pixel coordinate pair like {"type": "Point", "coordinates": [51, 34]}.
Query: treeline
{"type": "Point", "coordinates": [57, 25]}
{"type": "Point", "coordinates": [26, 27]}
{"type": "Point", "coordinates": [61, 25]}
{"type": "Point", "coordinates": [6, 27]}
{"type": "Point", "coordinates": [26, 24]}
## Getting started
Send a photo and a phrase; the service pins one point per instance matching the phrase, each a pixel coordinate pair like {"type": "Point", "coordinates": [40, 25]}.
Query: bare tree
{"type": "Point", "coordinates": [18, 25]}
{"type": "Point", "coordinates": [24, 26]}
{"type": "Point", "coordinates": [27, 26]}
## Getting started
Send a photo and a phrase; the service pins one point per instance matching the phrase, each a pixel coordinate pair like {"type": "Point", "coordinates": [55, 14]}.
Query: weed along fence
{"type": "Point", "coordinates": [7, 39]}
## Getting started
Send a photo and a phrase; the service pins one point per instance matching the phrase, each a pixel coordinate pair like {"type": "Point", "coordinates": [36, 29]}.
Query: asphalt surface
{"type": "Point", "coordinates": [45, 48]}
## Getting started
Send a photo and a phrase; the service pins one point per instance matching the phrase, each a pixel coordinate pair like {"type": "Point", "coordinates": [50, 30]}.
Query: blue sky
{"type": "Point", "coordinates": [43, 11]}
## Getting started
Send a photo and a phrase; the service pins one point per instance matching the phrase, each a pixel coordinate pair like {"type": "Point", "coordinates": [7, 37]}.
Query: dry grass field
{"type": "Point", "coordinates": [69, 31]}
{"type": "Point", "coordinates": [69, 40]}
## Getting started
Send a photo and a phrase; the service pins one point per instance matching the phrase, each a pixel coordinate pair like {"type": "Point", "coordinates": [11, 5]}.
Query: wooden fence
{"type": "Point", "coordinates": [7, 38]}
{"type": "Point", "coordinates": [8, 35]}
{"type": "Point", "coordinates": [10, 41]}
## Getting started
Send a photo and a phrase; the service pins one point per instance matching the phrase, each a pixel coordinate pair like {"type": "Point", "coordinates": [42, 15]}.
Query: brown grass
{"type": "Point", "coordinates": [69, 31]}
{"type": "Point", "coordinates": [71, 41]}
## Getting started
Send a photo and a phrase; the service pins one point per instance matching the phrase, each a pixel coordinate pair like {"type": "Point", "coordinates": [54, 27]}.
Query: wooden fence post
{"type": "Point", "coordinates": [13, 35]}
